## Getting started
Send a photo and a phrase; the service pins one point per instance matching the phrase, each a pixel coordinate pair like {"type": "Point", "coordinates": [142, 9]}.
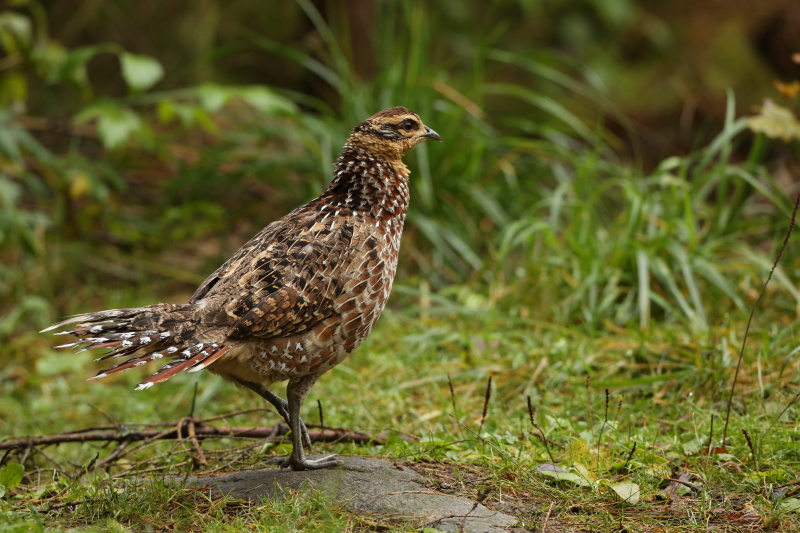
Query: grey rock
{"type": "Point", "coordinates": [369, 486]}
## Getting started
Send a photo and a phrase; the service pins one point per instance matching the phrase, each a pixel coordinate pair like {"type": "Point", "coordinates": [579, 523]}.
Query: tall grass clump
{"type": "Point", "coordinates": [532, 199]}
{"type": "Point", "coordinates": [683, 243]}
{"type": "Point", "coordinates": [469, 185]}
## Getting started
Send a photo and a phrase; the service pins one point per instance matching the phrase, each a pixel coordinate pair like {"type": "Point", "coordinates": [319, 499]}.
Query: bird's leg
{"type": "Point", "coordinates": [296, 392]}
{"type": "Point", "coordinates": [281, 405]}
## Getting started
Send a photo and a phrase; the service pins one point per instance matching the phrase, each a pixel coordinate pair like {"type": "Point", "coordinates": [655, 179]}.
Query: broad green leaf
{"type": "Point", "coordinates": [115, 128]}
{"type": "Point", "coordinates": [140, 72]}
{"type": "Point", "coordinates": [558, 473]}
{"type": "Point", "coordinates": [627, 492]}
{"type": "Point", "coordinates": [790, 505]}
{"type": "Point", "coordinates": [566, 476]}
{"type": "Point", "coordinates": [212, 96]}
{"type": "Point", "coordinates": [115, 124]}
{"type": "Point", "coordinates": [11, 475]}
{"type": "Point", "coordinates": [266, 100]}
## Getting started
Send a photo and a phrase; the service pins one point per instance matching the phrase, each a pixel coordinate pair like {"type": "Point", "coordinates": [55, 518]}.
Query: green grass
{"type": "Point", "coordinates": [607, 302]}
{"type": "Point", "coordinates": [665, 389]}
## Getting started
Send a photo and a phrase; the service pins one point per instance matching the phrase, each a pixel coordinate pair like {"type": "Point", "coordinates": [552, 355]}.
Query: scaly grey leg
{"type": "Point", "coordinates": [281, 405]}
{"type": "Point", "coordinates": [296, 392]}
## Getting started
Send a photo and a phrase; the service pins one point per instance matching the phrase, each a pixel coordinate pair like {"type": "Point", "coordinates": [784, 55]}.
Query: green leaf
{"type": "Point", "coordinates": [140, 72]}
{"type": "Point", "coordinates": [558, 473]}
{"type": "Point", "coordinates": [567, 476]}
{"type": "Point", "coordinates": [117, 127]}
{"type": "Point", "coordinates": [11, 475]}
{"type": "Point", "coordinates": [790, 505]}
{"type": "Point", "coordinates": [212, 96]}
{"type": "Point", "coordinates": [115, 124]}
{"type": "Point", "coordinates": [267, 101]}
{"type": "Point", "coordinates": [627, 492]}
{"type": "Point", "coordinates": [15, 29]}
{"type": "Point", "coordinates": [73, 66]}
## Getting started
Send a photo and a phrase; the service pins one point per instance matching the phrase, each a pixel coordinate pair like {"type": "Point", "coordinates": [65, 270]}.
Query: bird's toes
{"type": "Point", "coordinates": [328, 461]}
{"type": "Point", "coordinates": [280, 462]}
{"type": "Point", "coordinates": [306, 439]}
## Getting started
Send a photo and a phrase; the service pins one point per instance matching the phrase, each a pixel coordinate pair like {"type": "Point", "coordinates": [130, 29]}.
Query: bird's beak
{"type": "Point", "coordinates": [430, 134]}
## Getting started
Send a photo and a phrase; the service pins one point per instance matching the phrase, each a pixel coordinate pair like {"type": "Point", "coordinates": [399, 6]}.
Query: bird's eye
{"type": "Point", "coordinates": [408, 125]}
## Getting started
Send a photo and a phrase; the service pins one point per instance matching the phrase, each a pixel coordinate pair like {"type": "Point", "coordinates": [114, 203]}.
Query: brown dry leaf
{"type": "Point", "coordinates": [789, 90]}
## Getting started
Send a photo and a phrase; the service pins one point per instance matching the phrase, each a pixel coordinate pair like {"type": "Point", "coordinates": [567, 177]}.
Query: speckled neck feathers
{"type": "Point", "coordinates": [368, 184]}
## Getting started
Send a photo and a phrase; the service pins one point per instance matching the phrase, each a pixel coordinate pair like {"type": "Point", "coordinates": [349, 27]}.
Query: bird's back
{"type": "Point", "coordinates": [298, 297]}
{"type": "Point", "coordinates": [304, 293]}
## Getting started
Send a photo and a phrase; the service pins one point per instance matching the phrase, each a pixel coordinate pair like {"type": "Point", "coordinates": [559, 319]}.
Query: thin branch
{"type": "Point", "coordinates": [201, 431]}
{"type": "Point", "coordinates": [753, 312]}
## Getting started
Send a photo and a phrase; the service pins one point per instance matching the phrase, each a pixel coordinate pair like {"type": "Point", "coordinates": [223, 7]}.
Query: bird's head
{"type": "Point", "coordinates": [391, 133]}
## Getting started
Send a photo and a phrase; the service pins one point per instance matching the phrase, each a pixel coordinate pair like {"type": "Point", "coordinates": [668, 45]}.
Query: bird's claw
{"type": "Point", "coordinates": [304, 463]}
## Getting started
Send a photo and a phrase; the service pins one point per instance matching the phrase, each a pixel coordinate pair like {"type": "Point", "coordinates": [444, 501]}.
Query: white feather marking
{"type": "Point", "coordinates": [69, 345]}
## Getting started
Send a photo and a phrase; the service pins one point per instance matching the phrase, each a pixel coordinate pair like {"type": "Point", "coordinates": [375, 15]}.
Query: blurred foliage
{"type": "Point", "coordinates": [606, 202]}
{"type": "Point", "coordinates": [133, 162]}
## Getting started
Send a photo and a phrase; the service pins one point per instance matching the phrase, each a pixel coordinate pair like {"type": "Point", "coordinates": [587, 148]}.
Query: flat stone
{"type": "Point", "coordinates": [368, 486]}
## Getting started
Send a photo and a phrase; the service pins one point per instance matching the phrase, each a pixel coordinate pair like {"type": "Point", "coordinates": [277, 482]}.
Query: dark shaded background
{"type": "Point", "coordinates": [667, 64]}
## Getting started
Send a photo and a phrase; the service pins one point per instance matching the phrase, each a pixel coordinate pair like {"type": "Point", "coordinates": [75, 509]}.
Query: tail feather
{"type": "Point", "coordinates": [162, 330]}
{"type": "Point", "coordinates": [91, 320]}
{"type": "Point", "coordinates": [194, 355]}
{"type": "Point", "coordinates": [203, 363]}
{"type": "Point", "coordinates": [125, 339]}
{"type": "Point", "coordinates": [136, 361]}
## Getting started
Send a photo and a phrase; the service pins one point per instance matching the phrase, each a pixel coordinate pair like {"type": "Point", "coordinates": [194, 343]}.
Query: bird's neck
{"type": "Point", "coordinates": [368, 184]}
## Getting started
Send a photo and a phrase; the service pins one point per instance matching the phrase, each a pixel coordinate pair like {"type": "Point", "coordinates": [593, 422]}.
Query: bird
{"type": "Point", "coordinates": [296, 300]}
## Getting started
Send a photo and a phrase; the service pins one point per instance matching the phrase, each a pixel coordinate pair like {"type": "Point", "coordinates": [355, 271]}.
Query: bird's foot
{"type": "Point", "coordinates": [304, 463]}
{"type": "Point", "coordinates": [305, 436]}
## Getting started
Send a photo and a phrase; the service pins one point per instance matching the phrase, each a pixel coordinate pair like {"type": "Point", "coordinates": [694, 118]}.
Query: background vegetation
{"type": "Point", "coordinates": [602, 215]}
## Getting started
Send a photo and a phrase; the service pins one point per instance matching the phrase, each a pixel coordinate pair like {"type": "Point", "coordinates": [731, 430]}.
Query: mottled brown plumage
{"type": "Point", "coordinates": [295, 300]}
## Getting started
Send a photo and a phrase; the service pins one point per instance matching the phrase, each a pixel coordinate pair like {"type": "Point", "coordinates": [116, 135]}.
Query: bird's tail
{"type": "Point", "coordinates": [144, 334]}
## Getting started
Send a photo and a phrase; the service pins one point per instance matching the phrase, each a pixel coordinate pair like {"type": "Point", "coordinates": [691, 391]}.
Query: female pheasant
{"type": "Point", "coordinates": [296, 299]}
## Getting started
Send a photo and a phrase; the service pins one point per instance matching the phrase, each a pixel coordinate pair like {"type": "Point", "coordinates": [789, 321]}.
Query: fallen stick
{"type": "Point", "coordinates": [201, 431]}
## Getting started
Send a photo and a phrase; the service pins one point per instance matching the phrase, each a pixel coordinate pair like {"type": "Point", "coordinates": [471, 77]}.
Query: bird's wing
{"type": "Point", "coordinates": [281, 283]}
